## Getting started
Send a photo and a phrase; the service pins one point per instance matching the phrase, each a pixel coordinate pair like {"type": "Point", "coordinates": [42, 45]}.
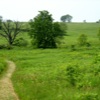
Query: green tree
{"type": "Point", "coordinates": [65, 18]}
{"type": "Point", "coordinates": [82, 40]}
{"type": "Point", "coordinates": [10, 30]}
{"type": "Point", "coordinates": [44, 32]}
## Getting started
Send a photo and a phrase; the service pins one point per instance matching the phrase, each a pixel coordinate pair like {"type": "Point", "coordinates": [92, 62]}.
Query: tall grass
{"type": "Point", "coordinates": [3, 65]}
{"type": "Point", "coordinates": [59, 74]}
{"type": "Point", "coordinates": [41, 74]}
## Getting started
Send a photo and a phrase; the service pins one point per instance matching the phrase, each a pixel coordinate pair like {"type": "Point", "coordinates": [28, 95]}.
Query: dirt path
{"type": "Point", "coordinates": [6, 86]}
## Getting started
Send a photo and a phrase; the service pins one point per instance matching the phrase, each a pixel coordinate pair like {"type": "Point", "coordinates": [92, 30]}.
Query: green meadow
{"type": "Point", "coordinates": [65, 73]}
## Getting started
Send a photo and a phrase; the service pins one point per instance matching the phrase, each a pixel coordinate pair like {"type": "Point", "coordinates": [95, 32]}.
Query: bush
{"type": "Point", "coordinates": [72, 73]}
{"type": "Point", "coordinates": [72, 47]}
{"type": "Point", "coordinates": [88, 44]}
{"type": "Point", "coordinates": [20, 42]}
{"type": "Point", "coordinates": [5, 47]}
{"type": "Point", "coordinates": [82, 40]}
{"type": "Point", "coordinates": [2, 46]}
{"type": "Point", "coordinates": [87, 96]}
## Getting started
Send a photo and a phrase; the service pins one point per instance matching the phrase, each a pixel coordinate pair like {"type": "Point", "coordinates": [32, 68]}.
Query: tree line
{"type": "Point", "coordinates": [43, 31]}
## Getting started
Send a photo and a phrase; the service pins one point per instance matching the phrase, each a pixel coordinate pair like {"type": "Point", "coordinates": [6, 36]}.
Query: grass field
{"type": "Point", "coordinates": [59, 74]}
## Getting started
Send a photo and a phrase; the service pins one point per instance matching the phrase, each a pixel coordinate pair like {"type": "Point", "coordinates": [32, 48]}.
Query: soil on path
{"type": "Point", "coordinates": [6, 87]}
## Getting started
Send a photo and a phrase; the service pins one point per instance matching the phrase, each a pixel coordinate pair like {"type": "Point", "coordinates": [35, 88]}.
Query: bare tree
{"type": "Point", "coordinates": [10, 30]}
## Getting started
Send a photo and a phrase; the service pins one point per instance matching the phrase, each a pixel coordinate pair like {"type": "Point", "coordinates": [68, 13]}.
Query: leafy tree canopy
{"type": "Point", "coordinates": [44, 31]}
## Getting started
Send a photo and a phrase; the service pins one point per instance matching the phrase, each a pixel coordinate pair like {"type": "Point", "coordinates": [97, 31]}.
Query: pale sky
{"type": "Point", "coordinates": [24, 10]}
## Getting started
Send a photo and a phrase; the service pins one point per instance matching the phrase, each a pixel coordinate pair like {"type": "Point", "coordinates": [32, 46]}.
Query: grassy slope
{"type": "Point", "coordinates": [75, 29]}
{"type": "Point", "coordinates": [41, 74]}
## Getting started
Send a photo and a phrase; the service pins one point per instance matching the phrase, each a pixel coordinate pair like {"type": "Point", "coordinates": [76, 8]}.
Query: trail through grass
{"type": "Point", "coordinates": [6, 86]}
{"type": "Point", "coordinates": [67, 73]}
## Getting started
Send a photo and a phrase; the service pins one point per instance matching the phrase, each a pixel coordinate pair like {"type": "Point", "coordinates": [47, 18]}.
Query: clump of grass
{"type": "Point", "coordinates": [2, 65]}
{"type": "Point", "coordinates": [87, 96]}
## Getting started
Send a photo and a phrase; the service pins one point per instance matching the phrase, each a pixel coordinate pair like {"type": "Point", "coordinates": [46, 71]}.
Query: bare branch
{"type": "Point", "coordinates": [10, 31]}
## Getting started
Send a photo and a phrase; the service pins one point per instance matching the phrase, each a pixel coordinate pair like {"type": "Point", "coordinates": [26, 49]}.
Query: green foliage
{"type": "Point", "coordinates": [2, 46]}
{"type": "Point", "coordinates": [88, 96]}
{"type": "Point", "coordinates": [72, 48]}
{"type": "Point", "coordinates": [96, 65]}
{"type": "Point", "coordinates": [20, 42]}
{"type": "Point", "coordinates": [72, 73]}
{"type": "Point", "coordinates": [82, 40]}
{"type": "Point", "coordinates": [44, 32]}
{"type": "Point", "coordinates": [2, 65]}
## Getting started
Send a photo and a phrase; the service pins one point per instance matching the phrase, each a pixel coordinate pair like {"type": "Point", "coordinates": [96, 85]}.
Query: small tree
{"type": "Point", "coordinates": [44, 32]}
{"type": "Point", "coordinates": [82, 40]}
{"type": "Point", "coordinates": [10, 30]}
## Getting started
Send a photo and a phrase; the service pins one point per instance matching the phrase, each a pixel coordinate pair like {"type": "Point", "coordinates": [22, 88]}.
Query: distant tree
{"type": "Point", "coordinates": [82, 40]}
{"type": "Point", "coordinates": [10, 30]}
{"type": "Point", "coordinates": [44, 31]}
{"type": "Point", "coordinates": [84, 21]}
{"type": "Point", "coordinates": [69, 17]}
{"type": "Point", "coordinates": [63, 18]}
{"type": "Point", "coordinates": [66, 18]}
{"type": "Point", "coordinates": [98, 21]}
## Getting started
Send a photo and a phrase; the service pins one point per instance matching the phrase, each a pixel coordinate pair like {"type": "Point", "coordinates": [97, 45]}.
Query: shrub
{"type": "Point", "coordinates": [72, 48]}
{"type": "Point", "coordinates": [88, 44]}
{"type": "Point", "coordinates": [20, 42]}
{"type": "Point", "coordinates": [72, 73]}
{"type": "Point", "coordinates": [2, 46]}
{"type": "Point", "coordinates": [82, 40]}
{"type": "Point", "coordinates": [5, 46]}
{"type": "Point", "coordinates": [87, 96]}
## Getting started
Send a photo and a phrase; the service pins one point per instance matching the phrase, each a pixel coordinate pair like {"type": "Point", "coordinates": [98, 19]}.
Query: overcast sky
{"type": "Point", "coordinates": [24, 10]}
